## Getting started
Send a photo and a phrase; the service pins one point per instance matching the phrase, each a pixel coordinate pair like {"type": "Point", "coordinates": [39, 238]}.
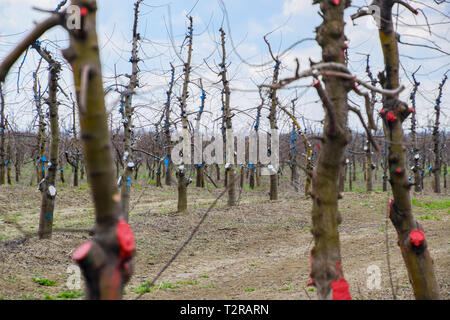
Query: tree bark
{"type": "Point", "coordinates": [411, 240]}
{"type": "Point", "coordinates": [325, 256]}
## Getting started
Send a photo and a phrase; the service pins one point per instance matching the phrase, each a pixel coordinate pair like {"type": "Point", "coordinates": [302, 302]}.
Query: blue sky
{"type": "Point", "coordinates": [292, 20]}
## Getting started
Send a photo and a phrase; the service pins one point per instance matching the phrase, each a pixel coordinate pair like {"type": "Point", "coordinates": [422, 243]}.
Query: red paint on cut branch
{"type": "Point", "coordinates": [125, 238]}
{"type": "Point", "coordinates": [340, 290]}
{"type": "Point", "coordinates": [82, 251]}
{"type": "Point", "coordinates": [417, 237]}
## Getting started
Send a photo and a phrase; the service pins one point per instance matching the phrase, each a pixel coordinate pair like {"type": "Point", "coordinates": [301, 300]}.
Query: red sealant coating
{"type": "Point", "coordinates": [390, 116]}
{"type": "Point", "coordinates": [417, 237]}
{"type": "Point", "coordinates": [399, 170]}
{"type": "Point", "coordinates": [382, 111]}
{"type": "Point", "coordinates": [416, 12]}
{"type": "Point", "coordinates": [125, 238]}
{"type": "Point", "coordinates": [340, 290]}
{"type": "Point", "coordinates": [316, 83]}
{"type": "Point", "coordinates": [82, 251]}
{"type": "Point", "coordinates": [336, 2]}
{"type": "Point", "coordinates": [84, 11]}
{"type": "Point", "coordinates": [412, 110]}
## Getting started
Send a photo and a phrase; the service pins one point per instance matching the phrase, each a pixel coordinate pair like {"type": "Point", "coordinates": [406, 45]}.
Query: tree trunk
{"type": "Point", "coordinates": [411, 238]}
{"type": "Point", "coordinates": [47, 187]}
{"type": "Point", "coordinates": [106, 261]}
{"type": "Point", "coordinates": [325, 256]}
{"type": "Point", "coordinates": [2, 136]}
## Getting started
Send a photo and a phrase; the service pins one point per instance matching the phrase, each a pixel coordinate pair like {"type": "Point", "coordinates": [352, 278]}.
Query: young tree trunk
{"type": "Point", "coordinates": [437, 168]}
{"type": "Point", "coordinates": [168, 160]}
{"type": "Point", "coordinates": [273, 121]}
{"type": "Point", "coordinates": [227, 125]}
{"type": "Point", "coordinates": [368, 152]}
{"type": "Point", "coordinates": [8, 158]}
{"type": "Point", "coordinates": [181, 173]}
{"type": "Point", "coordinates": [411, 237]}
{"type": "Point", "coordinates": [127, 113]}
{"type": "Point", "coordinates": [47, 187]}
{"type": "Point", "coordinates": [2, 136]}
{"type": "Point", "coordinates": [350, 180]}
{"type": "Point", "coordinates": [158, 175]}
{"type": "Point", "coordinates": [106, 261]}
{"type": "Point", "coordinates": [416, 168]}
{"type": "Point", "coordinates": [326, 263]}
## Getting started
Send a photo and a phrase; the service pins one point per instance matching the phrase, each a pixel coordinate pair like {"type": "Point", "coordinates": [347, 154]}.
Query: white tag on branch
{"type": "Point", "coordinates": [130, 164]}
{"type": "Point", "coordinates": [181, 168]}
{"type": "Point", "coordinates": [347, 161]}
{"type": "Point", "coordinates": [119, 181]}
{"type": "Point", "coordinates": [52, 191]}
{"type": "Point", "coordinates": [417, 156]}
{"type": "Point", "coordinates": [40, 184]}
{"type": "Point", "coordinates": [125, 156]}
{"type": "Point", "coordinates": [227, 165]}
{"type": "Point", "coordinates": [49, 164]}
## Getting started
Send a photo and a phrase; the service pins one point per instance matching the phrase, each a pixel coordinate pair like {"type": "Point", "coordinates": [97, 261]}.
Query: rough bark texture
{"type": "Point", "coordinates": [106, 261]}
{"type": "Point", "coordinates": [183, 182]}
{"type": "Point", "coordinates": [415, 253]}
{"type": "Point", "coordinates": [127, 114]}
{"type": "Point", "coordinates": [2, 136]}
{"type": "Point", "coordinates": [368, 152]}
{"type": "Point", "coordinates": [227, 126]}
{"type": "Point", "coordinates": [415, 149]}
{"type": "Point", "coordinates": [273, 120]}
{"type": "Point", "coordinates": [437, 168]}
{"type": "Point", "coordinates": [48, 185]}
{"type": "Point", "coordinates": [168, 164]}
{"type": "Point", "coordinates": [326, 256]}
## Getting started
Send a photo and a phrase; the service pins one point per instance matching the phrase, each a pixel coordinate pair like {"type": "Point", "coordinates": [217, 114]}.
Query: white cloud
{"type": "Point", "coordinates": [295, 6]}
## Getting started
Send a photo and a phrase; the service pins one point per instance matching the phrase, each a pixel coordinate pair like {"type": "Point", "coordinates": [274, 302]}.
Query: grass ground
{"type": "Point", "coordinates": [257, 250]}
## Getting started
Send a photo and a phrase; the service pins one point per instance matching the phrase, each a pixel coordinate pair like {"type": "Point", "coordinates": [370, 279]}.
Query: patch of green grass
{"type": "Point", "coordinates": [429, 217]}
{"type": "Point", "coordinates": [205, 276]}
{"type": "Point", "coordinates": [249, 289]}
{"type": "Point", "coordinates": [83, 187]}
{"type": "Point", "coordinates": [48, 297]}
{"type": "Point", "coordinates": [145, 287]}
{"type": "Point", "coordinates": [382, 229]}
{"type": "Point", "coordinates": [44, 282]}
{"type": "Point", "coordinates": [186, 283]}
{"type": "Point", "coordinates": [311, 289]}
{"type": "Point", "coordinates": [253, 265]}
{"type": "Point", "coordinates": [70, 295]}
{"type": "Point", "coordinates": [161, 286]}
{"type": "Point", "coordinates": [287, 287]}
{"type": "Point", "coordinates": [433, 205]}
{"type": "Point", "coordinates": [137, 186]}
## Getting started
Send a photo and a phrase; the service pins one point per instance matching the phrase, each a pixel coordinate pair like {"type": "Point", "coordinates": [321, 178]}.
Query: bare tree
{"type": "Point", "coordinates": [411, 235]}
{"type": "Point", "coordinates": [437, 168]}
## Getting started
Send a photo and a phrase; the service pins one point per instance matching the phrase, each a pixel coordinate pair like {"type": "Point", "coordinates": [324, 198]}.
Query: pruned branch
{"type": "Point", "coordinates": [39, 30]}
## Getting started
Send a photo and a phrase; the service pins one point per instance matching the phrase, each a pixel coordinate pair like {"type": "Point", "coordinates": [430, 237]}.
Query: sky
{"type": "Point", "coordinates": [162, 26]}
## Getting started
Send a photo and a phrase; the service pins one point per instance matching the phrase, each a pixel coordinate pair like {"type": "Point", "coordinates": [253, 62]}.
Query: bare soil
{"type": "Point", "coordinates": [257, 250]}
